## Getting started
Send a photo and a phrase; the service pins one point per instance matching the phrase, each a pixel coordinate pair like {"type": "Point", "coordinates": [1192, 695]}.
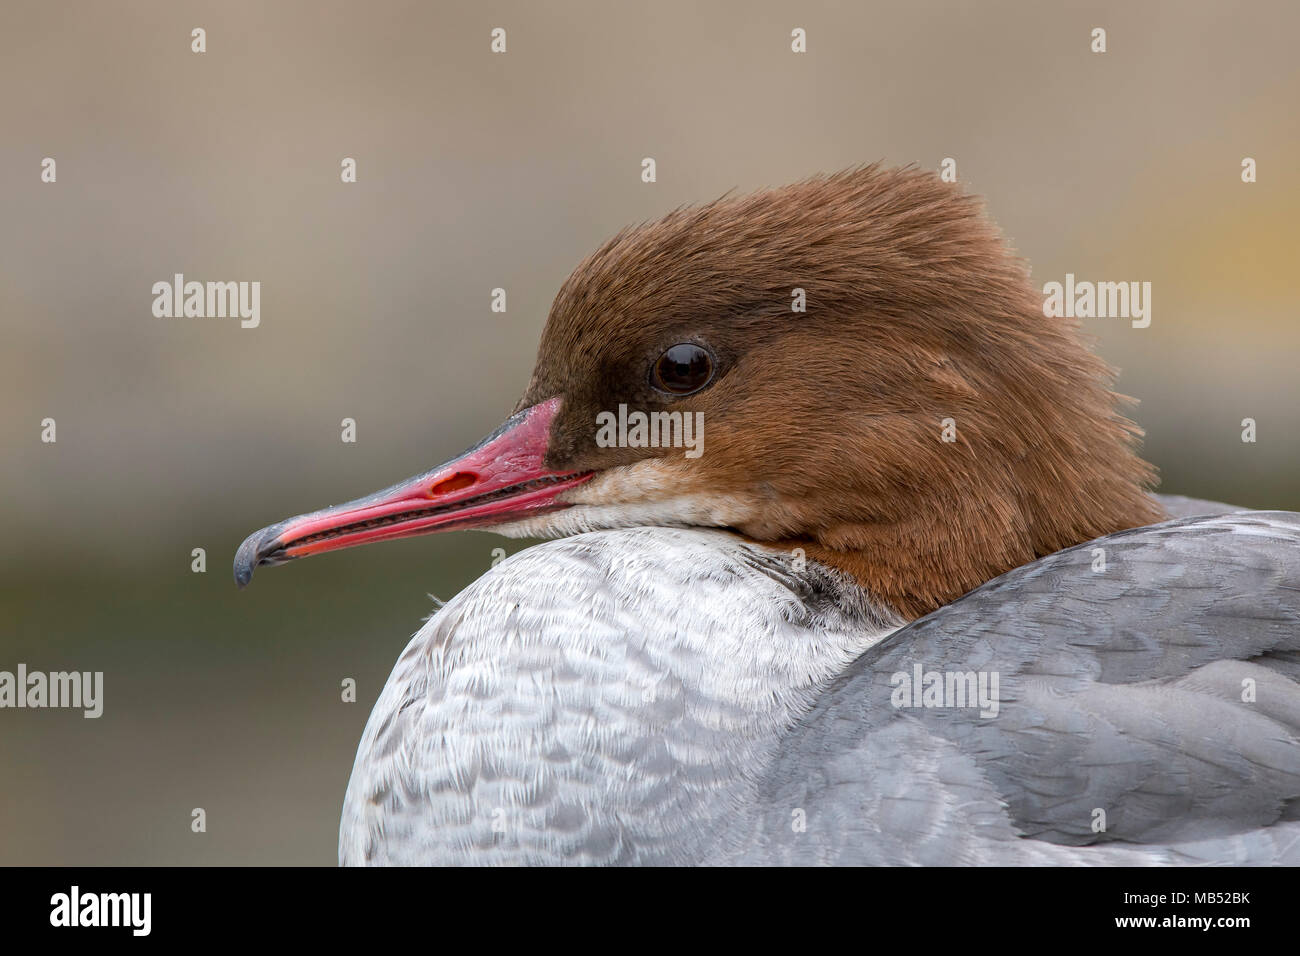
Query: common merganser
{"type": "Point", "coordinates": [761, 652]}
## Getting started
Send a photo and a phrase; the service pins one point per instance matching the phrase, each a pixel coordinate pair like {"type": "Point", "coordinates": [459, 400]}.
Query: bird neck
{"type": "Point", "coordinates": [928, 549]}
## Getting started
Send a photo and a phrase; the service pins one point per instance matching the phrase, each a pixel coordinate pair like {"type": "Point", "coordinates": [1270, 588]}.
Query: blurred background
{"type": "Point", "coordinates": [476, 171]}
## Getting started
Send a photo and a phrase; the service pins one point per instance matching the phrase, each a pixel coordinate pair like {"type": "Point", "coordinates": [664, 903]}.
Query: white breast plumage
{"type": "Point", "coordinates": [610, 697]}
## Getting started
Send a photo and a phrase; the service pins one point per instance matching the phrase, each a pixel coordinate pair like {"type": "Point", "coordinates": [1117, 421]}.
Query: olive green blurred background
{"type": "Point", "coordinates": [476, 171]}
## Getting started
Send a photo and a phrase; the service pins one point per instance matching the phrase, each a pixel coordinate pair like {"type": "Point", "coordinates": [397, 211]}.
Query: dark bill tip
{"type": "Point", "coordinates": [251, 553]}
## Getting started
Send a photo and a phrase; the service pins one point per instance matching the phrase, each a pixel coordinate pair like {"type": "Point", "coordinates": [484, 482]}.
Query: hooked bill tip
{"type": "Point", "coordinates": [249, 556]}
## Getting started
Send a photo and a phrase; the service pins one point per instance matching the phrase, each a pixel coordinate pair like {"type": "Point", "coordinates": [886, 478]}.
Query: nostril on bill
{"type": "Point", "coordinates": [457, 482]}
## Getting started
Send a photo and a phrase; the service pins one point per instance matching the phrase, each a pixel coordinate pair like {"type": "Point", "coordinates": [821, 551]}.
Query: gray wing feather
{"type": "Point", "coordinates": [1180, 506]}
{"type": "Point", "coordinates": [1157, 687]}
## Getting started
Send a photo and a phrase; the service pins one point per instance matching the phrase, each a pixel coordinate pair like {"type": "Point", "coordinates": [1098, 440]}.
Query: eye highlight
{"type": "Point", "coordinates": [683, 369]}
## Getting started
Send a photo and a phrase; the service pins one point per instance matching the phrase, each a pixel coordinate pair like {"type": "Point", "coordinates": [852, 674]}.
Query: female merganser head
{"type": "Point", "coordinates": [919, 424]}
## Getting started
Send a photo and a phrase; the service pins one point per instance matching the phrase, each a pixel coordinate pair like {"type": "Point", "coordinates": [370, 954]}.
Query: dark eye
{"type": "Point", "coordinates": [683, 369]}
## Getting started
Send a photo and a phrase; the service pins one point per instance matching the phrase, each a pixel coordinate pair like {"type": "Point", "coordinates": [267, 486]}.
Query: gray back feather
{"type": "Point", "coordinates": [1147, 683]}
